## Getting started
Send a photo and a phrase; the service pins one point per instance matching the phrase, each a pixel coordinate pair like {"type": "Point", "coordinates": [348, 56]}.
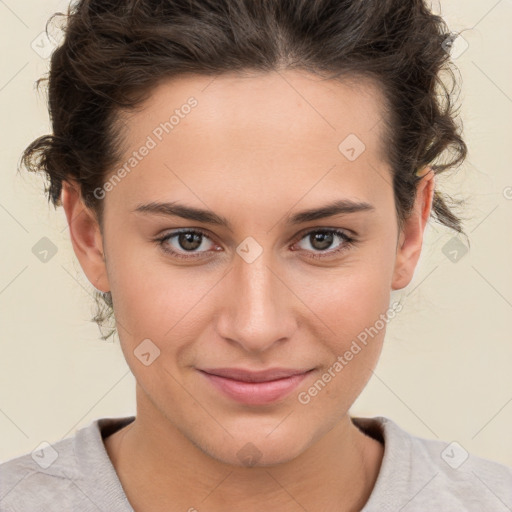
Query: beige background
{"type": "Point", "coordinates": [445, 371]}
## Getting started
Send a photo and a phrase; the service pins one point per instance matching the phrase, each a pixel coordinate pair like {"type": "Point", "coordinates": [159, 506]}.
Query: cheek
{"type": "Point", "coordinates": [166, 304]}
{"type": "Point", "coordinates": [353, 309]}
{"type": "Point", "coordinates": [149, 293]}
{"type": "Point", "coordinates": [352, 296]}
{"type": "Point", "coordinates": [356, 304]}
{"type": "Point", "coordinates": [356, 318]}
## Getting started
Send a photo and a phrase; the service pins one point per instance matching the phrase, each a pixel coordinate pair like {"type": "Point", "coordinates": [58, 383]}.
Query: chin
{"type": "Point", "coordinates": [255, 449]}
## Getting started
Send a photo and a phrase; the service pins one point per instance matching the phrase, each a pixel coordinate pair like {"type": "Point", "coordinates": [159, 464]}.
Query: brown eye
{"type": "Point", "coordinates": [320, 240]}
{"type": "Point", "coordinates": [179, 243]}
{"type": "Point", "coordinates": [189, 241]}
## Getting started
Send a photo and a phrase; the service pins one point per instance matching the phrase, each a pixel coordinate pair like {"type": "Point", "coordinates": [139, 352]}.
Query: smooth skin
{"type": "Point", "coordinates": [256, 149]}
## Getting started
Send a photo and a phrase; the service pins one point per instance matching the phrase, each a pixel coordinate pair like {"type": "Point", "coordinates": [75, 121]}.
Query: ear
{"type": "Point", "coordinates": [410, 239]}
{"type": "Point", "coordinates": [85, 235]}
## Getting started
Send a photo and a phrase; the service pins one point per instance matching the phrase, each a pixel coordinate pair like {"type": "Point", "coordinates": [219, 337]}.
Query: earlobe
{"type": "Point", "coordinates": [411, 236]}
{"type": "Point", "coordinates": [85, 235]}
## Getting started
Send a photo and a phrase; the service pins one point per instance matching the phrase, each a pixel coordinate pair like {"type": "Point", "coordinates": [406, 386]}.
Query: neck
{"type": "Point", "coordinates": [161, 469]}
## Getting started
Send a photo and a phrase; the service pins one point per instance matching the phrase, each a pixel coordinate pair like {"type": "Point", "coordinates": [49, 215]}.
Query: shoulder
{"type": "Point", "coordinates": [461, 473]}
{"type": "Point", "coordinates": [424, 474]}
{"type": "Point", "coordinates": [74, 473]}
{"type": "Point", "coordinates": [31, 480]}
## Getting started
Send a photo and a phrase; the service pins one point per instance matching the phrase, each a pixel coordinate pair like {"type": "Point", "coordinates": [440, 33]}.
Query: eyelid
{"type": "Point", "coordinates": [348, 232]}
{"type": "Point", "coordinates": [175, 232]}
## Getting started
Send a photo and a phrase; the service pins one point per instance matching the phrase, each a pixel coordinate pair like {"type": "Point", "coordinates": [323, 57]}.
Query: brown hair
{"type": "Point", "coordinates": [114, 52]}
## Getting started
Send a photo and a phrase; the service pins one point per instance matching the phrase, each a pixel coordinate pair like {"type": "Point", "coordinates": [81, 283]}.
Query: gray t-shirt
{"type": "Point", "coordinates": [76, 474]}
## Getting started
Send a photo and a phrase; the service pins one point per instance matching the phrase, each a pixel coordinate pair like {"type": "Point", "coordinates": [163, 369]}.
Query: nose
{"type": "Point", "coordinates": [257, 305]}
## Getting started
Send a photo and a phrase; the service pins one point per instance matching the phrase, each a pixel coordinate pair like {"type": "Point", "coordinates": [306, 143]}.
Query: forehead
{"type": "Point", "coordinates": [276, 132]}
{"type": "Point", "coordinates": [290, 104]}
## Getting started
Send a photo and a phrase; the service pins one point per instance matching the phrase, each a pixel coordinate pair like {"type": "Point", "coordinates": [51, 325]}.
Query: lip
{"type": "Point", "coordinates": [255, 388]}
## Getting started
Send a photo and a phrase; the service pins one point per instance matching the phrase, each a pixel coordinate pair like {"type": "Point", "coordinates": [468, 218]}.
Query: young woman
{"type": "Point", "coordinates": [245, 182]}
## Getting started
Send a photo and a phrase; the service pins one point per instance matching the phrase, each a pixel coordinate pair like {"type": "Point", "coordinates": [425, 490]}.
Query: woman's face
{"type": "Point", "coordinates": [254, 284]}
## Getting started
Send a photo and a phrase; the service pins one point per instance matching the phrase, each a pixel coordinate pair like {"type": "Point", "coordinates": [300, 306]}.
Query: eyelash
{"type": "Point", "coordinates": [348, 242]}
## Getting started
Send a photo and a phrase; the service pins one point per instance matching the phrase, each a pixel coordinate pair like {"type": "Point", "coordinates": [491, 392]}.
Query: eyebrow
{"type": "Point", "coordinates": [339, 207]}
